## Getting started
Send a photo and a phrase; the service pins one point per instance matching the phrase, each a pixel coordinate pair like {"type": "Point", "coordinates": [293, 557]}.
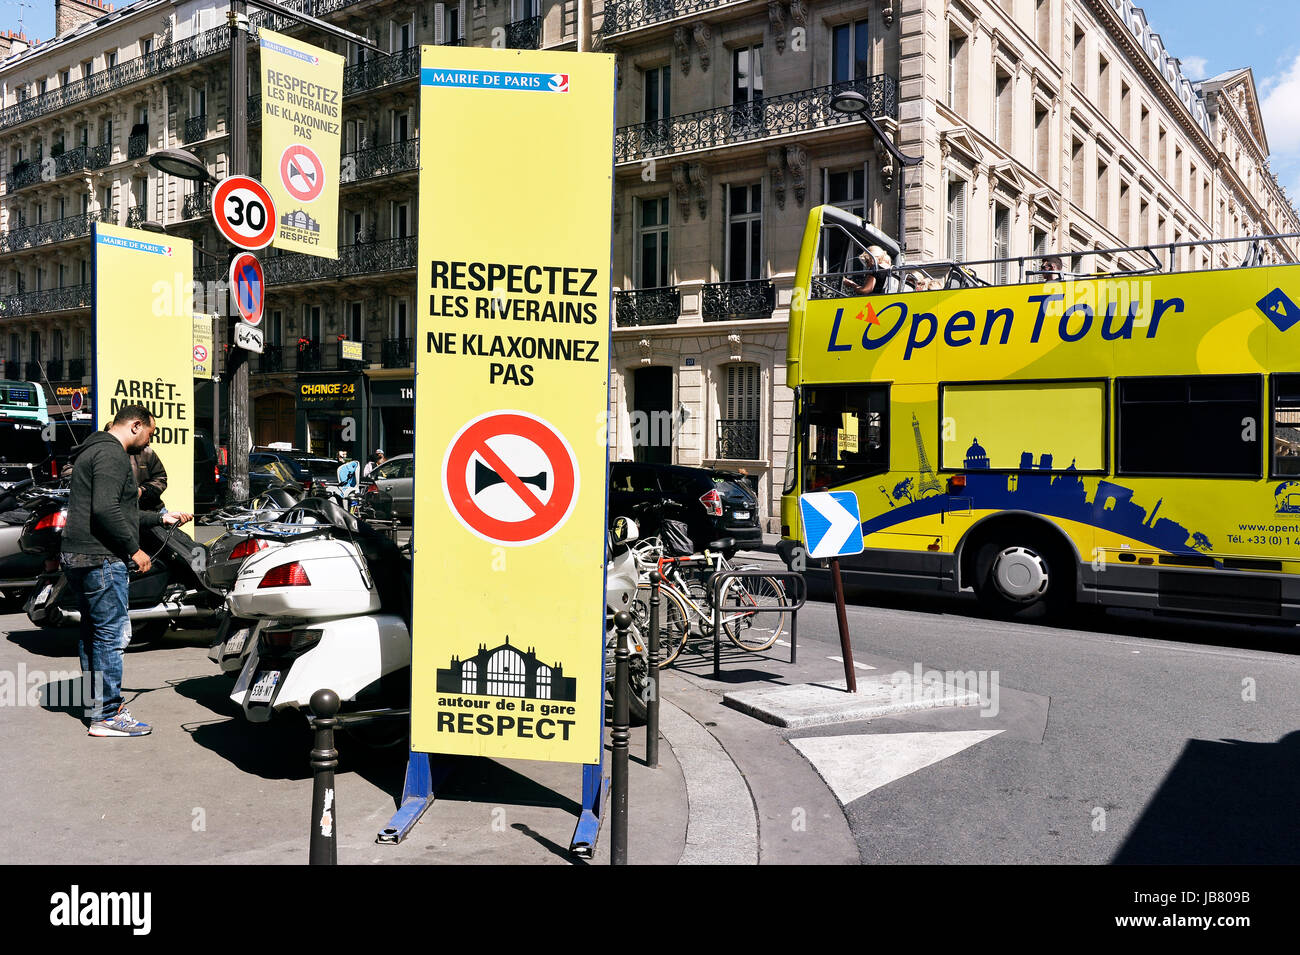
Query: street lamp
{"type": "Point", "coordinates": [182, 164]}
{"type": "Point", "coordinates": [852, 103]}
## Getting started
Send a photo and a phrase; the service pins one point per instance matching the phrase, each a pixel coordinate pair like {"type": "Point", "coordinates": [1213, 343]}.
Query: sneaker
{"type": "Point", "coordinates": [121, 724]}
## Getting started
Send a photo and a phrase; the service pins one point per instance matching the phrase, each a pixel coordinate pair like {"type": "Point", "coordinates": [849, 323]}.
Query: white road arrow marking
{"type": "Point", "coordinates": [843, 523]}
{"type": "Point", "coordinates": [853, 766]}
{"type": "Point", "coordinates": [860, 666]}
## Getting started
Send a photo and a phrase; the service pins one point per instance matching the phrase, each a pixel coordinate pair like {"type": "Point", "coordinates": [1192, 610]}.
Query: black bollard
{"type": "Point", "coordinates": [619, 740]}
{"type": "Point", "coordinates": [324, 760]}
{"type": "Point", "coordinates": [652, 705]}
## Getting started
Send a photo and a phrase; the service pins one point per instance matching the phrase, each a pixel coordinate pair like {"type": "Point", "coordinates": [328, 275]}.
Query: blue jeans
{"type": "Point", "coordinates": [105, 633]}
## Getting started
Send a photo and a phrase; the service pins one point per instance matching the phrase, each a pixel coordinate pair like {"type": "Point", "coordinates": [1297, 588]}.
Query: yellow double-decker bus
{"type": "Point", "coordinates": [1127, 440]}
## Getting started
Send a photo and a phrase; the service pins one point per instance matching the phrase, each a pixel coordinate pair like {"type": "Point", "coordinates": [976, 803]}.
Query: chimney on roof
{"type": "Point", "coordinates": [70, 14]}
{"type": "Point", "coordinates": [12, 42]}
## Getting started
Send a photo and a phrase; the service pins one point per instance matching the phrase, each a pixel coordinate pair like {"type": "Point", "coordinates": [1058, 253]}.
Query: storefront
{"type": "Point", "coordinates": [392, 415]}
{"type": "Point", "coordinates": [70, 400]}
{"type": "Point", "coordinates": [331, 415]}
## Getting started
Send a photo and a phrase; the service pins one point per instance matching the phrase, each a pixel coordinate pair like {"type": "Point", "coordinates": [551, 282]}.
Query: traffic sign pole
{"type": "Point", "coordinates": [237, 109]}
{"type": "Point", "coordinates": [846, 648]}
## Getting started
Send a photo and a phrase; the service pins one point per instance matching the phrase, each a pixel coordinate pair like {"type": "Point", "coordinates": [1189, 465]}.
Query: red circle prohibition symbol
{"type": "Point", "coordinates": [200, 353]}
{"type": "Point", "coordinates": [302, 172]}
{"type": "Point", "coordinates": [546, 517]}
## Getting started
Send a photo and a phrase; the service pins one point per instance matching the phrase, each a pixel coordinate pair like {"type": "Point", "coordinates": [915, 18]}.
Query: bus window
{"type": "Point", "coordinates": [1286, 425]}
{"type": "Point", "coordinates": [1189, 426]}
{"type": "Point", "coordinates": [1023, 425]}
{"type": "Point", "coordinates": [847, 434]}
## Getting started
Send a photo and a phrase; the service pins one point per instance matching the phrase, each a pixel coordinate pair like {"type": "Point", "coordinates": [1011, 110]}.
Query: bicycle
{"type": "Point", "coordinates": [683, 599]}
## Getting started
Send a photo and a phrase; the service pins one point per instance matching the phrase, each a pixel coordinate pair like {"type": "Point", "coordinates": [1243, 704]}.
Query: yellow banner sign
{"type": "Point", "coordinates": [302, 95]}
{"type": "Point", "coordinates": [144, 342]}
{"type": "Point", "coordinates": [204, 357]}
{"type": "Point", "coordinates": [512, 368]}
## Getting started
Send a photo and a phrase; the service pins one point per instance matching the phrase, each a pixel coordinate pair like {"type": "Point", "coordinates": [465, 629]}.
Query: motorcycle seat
{"type": "Point", "coordinates": [723, 543]}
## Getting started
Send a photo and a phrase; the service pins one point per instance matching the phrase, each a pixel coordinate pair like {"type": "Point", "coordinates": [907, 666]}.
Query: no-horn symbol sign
{"type": "Point", "coordinates": [510, 478]}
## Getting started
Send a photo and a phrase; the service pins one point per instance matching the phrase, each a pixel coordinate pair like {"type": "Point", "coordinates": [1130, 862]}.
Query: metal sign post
{"type": "Point", "coordinates": [832, 526]}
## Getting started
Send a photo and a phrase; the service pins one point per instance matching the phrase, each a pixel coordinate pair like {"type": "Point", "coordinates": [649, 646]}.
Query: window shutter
{"type": "Point", "coordinates": [462, 24]}
{"type": "Point", "coordinates": [439, 23]}
{"type": "Point", "coordinates": [959, 222]}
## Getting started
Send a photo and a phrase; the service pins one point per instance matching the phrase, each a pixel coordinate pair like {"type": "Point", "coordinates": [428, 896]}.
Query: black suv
{"type": "Point", "coordinates": [713, 506]}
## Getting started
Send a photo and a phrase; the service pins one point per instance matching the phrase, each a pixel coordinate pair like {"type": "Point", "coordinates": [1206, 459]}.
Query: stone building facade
{"type": "Point", "coordinates": [1042, 125]}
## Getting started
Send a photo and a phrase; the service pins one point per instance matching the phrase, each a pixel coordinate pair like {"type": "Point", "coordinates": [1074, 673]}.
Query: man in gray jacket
{"type": "Point", "coordinates": [101, 536]}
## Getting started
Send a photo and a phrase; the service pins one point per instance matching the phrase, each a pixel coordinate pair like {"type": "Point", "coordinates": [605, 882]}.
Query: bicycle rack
{"type": "Point", "coordinates": [800, 590]}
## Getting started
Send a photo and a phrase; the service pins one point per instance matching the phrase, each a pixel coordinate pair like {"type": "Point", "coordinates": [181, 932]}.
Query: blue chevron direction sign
{"type": "Point", "coordinates": [832, 524]}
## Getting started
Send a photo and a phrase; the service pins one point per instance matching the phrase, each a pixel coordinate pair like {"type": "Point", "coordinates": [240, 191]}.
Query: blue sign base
{"type": "Point", "coordinates": [595, 787]}
{"type": "Point", "coordinates": [418, 793]}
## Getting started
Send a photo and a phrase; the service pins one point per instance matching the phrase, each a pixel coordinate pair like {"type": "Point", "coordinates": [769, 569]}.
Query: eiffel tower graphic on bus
{"type": "Point", "coordinates": [929, 481]}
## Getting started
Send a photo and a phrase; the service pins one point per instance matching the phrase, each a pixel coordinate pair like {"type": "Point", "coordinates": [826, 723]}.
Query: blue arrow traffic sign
{"type": "Point", "coordinates": [832, 524]}
{"type": "Point", "coordinates": [248, 286]}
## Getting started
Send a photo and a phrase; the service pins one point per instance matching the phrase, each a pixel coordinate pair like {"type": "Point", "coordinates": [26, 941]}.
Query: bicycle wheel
{"type": "Point", "coordinates": [754, 631]}
{"type": "Point", "coordinates": [674, 624]}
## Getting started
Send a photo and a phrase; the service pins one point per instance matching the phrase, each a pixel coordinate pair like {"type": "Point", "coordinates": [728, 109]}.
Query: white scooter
{"type": "Point", "coordinates": [332, 607]}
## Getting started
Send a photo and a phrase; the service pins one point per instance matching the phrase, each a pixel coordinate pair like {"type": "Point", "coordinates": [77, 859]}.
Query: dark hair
{"type": "Point", "coordinates": [129, 413]}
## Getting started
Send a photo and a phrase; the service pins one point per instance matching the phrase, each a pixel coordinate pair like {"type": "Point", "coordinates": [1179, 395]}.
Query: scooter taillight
{"type": "Point", "coordinates": [53, 522]}
{"type": "Point", "coordinates": [286, 575]}
{"type": "Point", "coordinates": [278, 641]}
{"type": "Point", "coordinates": [247, 549]}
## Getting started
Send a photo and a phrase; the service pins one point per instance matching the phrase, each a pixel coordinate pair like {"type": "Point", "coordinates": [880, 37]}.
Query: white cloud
{"type": "Point", "coordinates": [1282, 115]}
{"type": "Point", "coordinates": [1193, 67]}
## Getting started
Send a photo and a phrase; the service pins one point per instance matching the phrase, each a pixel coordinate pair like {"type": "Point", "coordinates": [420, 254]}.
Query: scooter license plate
{"type": "Point", "coordinates": [264, 687]}
{"type": "Point", "coordinates": [235, 642]}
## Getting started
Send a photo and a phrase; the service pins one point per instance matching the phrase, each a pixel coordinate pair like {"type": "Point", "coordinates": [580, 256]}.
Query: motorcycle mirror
{"type": "Point", "coordinates": [625, 530]}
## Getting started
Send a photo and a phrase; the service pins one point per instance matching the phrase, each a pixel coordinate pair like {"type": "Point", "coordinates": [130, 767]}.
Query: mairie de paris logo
{"type": "Point", "coordinates": [1279, 309]}
{"type": "Point", "coordinates": [560, 83]}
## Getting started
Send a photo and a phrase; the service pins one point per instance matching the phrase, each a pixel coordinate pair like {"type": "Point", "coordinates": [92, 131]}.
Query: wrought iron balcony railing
{"type": "Point", "coordinates": [378, 161]}
{"type": "Point", "coordinates": [136, 214]}
{"type": "Point", "coordinates": [46, 300]}
{"type": "Point", "coordinates": [398, 352]}
{"type": "Point", "coordinates": [76, 369]}
{"type": "Point", "coordinates": [271, 360]}
{"type": "Point", "coordinates": [33, 371]}
{"type": "Point", "coordinates": [381, 71]}
{"type": "Point", "coordinates": [13, 370]}
{"type": "Point", "coordinates": [363, 258]}
{"type": "Point", "coordinates": [524, 34]}
{"type": "Point", "coordinates": [138, 145]}
{"type": "Point", "coordinates": [724, 301]}
{"type": "Point", "coordinates": [163, 60]}
{"type": "Point", "coordinates": [57, 230]}
{"type": "Point", "coordinates": [624, 15]}
{"type": "Point", "coordinates": [100, 156]}
{"type": "Point", "coordinates": [197, 203]}
{"type": "Point", "coordinates": [25, 173]}
{"type": "Point", "coordinates": [771, 116]}
{"type": "Point", "coordinates": [54, 369]}
{"type": "Point", "coordinates": [308, 356]}
{"type": "Point", "coordinates": [648, 306]}
{"type": "Point", "coordinates": [737, 439]}
{"type": "Point", "coordinates": [196, 128]}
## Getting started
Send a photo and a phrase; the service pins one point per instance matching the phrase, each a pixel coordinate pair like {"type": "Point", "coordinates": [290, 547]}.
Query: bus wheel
{"type": "Point", "coordinates": [1023, 578]}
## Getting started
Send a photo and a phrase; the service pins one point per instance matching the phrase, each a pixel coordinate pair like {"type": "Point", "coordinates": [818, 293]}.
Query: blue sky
{"type": "Point", "coordinates": [1209, 38]}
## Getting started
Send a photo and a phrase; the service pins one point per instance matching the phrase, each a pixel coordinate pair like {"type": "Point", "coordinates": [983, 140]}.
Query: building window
{"type": "Point", "coordinates": [657, 102]}
{"type": "Point", "coordinates": [1144, 130]}
{"type": "Point", "coordinates": [1286, 436]}
{"type": "Point", "coordinates": [850, 52]}
{"type": "Point", "coordinates": [65, 77]}
{"type": "Point", "coordinates": [1144, 222]}
{"type": "Point", "coordinates": [1178, 169]}
{"type": "Point", "coordinates": [311, 322]}
{"type": "Point", "coordinates": [146, 45]}
{"type": "Point", "coordinates": [1125, 223]}
{"type": "Point", "coordinates": [1189, 425]}
{"type": "Point", "coordinates": [1001, 242]}
{"type": "Point", "coordinates": [958, 57]}
{"type": "Point", "coordinates": [469, 677]}
{"type": "Point", "coordinates": [1103, 85]}
{"type": "Point", "coordinates": [1103, 194]}
{"type": "Point", "coordinates": [846, 191]}
{"type": "Point", "coordinates": [738, 429]}
{"type": "Point", "coordinates": [275, 327]}
{"type": "Point", "coordinates": [399, 325]}
{"type": "Point", "coordinates": [1125, 110]}
{"type": "Point", "coordinates": [1043, 24]}
{"type": "Point", "coordinates": [1002, 102]}
{"type": "Point", "coordinates": [1042, 140]}
{"type": "Point", "coordinates": [110, 59]}
{"type": "Point", "coordinates": [353, 327]}
{"type": "Point", "coordinates": [744, 232]}
{"type": "Point", "coordinates": [400, 122]}
{"type": "Point", "coordinates": [401, 35]}
{"type": "Point", "coordinates": [653, 247]}
{"type": "Point", "coordinates": [1076, 171]}
{"type": "Point", "coordinates": [955, 224]}
{"type": "Point", "coordinates": [400, 219]}
{"type": "Point", "coordinates": [747, 84]}
{"type": "Point", "coordinates": [449, 23]}
{"type": "Point", "coordinates": [1162, 161]}
{"type": "Point", "coordinates": [1079, 64]}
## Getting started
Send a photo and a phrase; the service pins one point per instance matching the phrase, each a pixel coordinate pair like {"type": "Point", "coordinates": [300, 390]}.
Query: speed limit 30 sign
{"type": "Point", "coordinates": [244, 212]}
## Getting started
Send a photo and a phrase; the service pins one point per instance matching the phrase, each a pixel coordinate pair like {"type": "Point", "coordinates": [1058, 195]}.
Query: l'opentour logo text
{"type": "Point", "coordinates": [76, 908]}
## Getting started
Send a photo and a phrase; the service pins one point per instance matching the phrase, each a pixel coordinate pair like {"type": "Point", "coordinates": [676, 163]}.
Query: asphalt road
{"type": "Point", "coordinates": [1118, 737]}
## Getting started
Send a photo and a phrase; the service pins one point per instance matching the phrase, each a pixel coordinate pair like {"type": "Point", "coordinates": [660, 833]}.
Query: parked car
{"type": "Point", "coordinates": [209, 476]}
{"type": "Point", "coordinates": [394, 478]}
{"type": "Point", "coordinates": [264, 475]}
{"type": "Point", "coordinates": [300, 472]}
{"type": "Point", "coordinates": [713, 505]}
